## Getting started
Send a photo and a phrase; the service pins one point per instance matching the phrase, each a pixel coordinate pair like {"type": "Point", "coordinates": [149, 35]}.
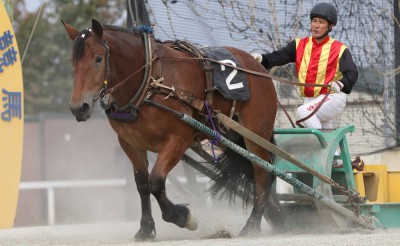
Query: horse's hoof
{"type": "Point", "coordinates": [250, 233]}
{"type": "Point", "coordinates": [142, 236]}
{"type": "Point", "coordinates": [191, 222]}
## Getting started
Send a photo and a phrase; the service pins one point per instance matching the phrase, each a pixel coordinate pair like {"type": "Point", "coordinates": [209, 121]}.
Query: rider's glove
{"type": "Point", "coordinates": [258, 57]}
{"type": "Point", "coordinates": [336, 86]}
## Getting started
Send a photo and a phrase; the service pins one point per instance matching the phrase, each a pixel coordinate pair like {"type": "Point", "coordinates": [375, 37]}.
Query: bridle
{"type": "Point", "coordinates": [107, 69]}
{"type": "Point", "coordinates": [104, 43]}
{"type": "Point", "coordinates": [105, 90]}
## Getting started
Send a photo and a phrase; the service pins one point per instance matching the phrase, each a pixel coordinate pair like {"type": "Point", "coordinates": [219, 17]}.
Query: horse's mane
{"type": "Point", "coordinates": [122, 29]}
{"type": "Point", "coordinates": [79, 44]}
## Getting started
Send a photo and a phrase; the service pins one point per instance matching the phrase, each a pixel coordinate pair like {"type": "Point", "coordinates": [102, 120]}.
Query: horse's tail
{"type": "Point", "coordinates": [234, 174]}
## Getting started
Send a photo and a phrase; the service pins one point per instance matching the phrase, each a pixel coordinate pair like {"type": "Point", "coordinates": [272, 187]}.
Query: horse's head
{"type": "Point", "coordinates": [89, 59]}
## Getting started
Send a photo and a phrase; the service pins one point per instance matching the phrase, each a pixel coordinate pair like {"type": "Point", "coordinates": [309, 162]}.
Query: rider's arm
{"type": "Point", "coordinates": [349, 71]}
{"type": "Point", "coordinates": [280, 57]}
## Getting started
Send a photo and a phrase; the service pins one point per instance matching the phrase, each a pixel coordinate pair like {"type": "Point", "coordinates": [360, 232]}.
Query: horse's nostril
{"type": "Point", "coordinates": [84, 108]}
{"type": "Point", "coordinates": [81, 112]}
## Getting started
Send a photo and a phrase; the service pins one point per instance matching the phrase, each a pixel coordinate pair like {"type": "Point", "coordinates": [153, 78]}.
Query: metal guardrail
{"type": "Point", "coordinates": [50, 187]}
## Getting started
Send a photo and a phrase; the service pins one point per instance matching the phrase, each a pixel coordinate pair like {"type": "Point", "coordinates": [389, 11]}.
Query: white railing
{"type": "Point", "coordinates": [50, 186]}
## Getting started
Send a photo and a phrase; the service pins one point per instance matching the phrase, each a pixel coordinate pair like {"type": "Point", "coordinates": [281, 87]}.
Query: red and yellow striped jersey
{"type": "Point", "coordinates": [317, 63]}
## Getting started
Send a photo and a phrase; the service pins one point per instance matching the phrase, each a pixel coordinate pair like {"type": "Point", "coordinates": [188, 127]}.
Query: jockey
{"type": "Point", "coordinates": [319, 59]}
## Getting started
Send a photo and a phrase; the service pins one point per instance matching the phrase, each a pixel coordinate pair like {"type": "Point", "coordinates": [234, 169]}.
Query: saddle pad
{"type": "Point", "coordinates": [231, 83]}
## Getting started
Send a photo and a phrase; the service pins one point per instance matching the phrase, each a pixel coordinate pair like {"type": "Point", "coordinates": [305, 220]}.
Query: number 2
{"type": "Point", "coordinates": [230, 77]}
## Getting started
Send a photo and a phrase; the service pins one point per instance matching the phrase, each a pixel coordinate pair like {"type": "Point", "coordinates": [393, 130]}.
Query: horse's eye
{"type": "Point", "coordinates": [98, 59]}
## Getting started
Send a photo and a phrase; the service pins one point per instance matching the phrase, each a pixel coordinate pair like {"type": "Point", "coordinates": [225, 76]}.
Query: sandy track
{"type": "Point", "coordinates": [122, 234]}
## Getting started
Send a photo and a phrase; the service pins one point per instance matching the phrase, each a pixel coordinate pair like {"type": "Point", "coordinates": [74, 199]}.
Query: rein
{"type": "Point", "coordinates": [139, 95]}
{"type": "Point", "coordinates": [290, 82]}
{"type": "Point", "coordinates": [285, 81]}
{"type": "Point", "coordinates": [122, 82]}
{"type": "Point", "coordinates": [136, 99]}
{"type": "Point", "coordinates": [266, 75]}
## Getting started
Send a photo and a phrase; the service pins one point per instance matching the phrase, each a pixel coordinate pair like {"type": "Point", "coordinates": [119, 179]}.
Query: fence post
{"type": "Point", "coordinates": [51, 208]}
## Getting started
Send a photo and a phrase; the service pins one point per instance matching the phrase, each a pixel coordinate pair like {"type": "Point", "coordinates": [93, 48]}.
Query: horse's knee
{"type": "Point", "coordinates": [156, 185]}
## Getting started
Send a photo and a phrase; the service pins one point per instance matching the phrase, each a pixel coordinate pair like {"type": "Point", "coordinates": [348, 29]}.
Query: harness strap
{"type": "Point", "coordinates": [145, 85]}
{"type": "Point", "coordinates": [209, 83]}
{"type": "Point", "coordinates": [137, 99]}
{"type": "Point", "coordinates": [287, 114]}
{"type": "Point", "coordinates": [204, 62]}
{"type": "Point", "coordinates": [178, 93]}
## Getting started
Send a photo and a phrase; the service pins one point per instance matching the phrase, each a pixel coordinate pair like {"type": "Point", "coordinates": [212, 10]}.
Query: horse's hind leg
{"type": "Point", "coordinates": [274, 214]}
{"type": "Point", "coordinates": [139, 161]}
{"type": "Point", "coordinates": [262, 180]}
{"type": "Point", "coordinates": [264, 198]}
{"type": "Point", "coordinates": [178, 214]}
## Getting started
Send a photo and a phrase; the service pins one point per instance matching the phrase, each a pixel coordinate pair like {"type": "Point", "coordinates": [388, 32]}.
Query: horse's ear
{"type": "Point", "coordinates": [72, 32]}
{"type": "Point", "coordinates": [97, 29]}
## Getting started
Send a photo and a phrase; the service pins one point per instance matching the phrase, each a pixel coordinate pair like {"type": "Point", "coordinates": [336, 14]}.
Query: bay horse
{"type": "Point", "coordinates": [120, 67]}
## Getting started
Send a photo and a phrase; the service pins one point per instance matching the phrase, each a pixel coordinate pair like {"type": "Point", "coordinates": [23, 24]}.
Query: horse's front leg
{"type": "Point", "coordinates": [178, 214]}
{"type": "Point", "coordinates": [139, 161]}
{"type": "Point", "coordinates": [262, 181]}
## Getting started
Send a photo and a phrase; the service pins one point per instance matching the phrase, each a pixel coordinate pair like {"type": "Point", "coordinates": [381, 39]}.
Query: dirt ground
{"type": "Point", "coordinates": [210, 232]}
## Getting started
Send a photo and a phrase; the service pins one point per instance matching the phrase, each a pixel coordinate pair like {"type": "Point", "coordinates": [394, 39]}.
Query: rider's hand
{"type": "Point", "coordinates": [258, 57]}
{"type": "Point", "coordinates": [336, 86]}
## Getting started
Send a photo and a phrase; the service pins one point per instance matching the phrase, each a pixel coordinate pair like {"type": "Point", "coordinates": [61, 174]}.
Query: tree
{"type": "Point", "coordinates": [47, 66]}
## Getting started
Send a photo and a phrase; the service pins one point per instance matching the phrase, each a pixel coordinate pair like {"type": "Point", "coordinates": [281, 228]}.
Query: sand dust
{"type": "Point", "coordinates": [167, 234]}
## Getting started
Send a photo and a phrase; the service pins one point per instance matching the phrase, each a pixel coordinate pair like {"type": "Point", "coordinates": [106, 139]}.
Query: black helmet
{"type": "Point", "coordinates": [326, 11]}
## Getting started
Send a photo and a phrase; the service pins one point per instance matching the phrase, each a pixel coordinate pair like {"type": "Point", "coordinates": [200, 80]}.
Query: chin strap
{"type": "Point", "coordinates": [326, 33]}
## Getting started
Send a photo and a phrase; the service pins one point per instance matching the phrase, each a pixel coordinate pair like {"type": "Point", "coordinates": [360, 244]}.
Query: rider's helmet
{"type": "Point", "coordinates": [326, 11]}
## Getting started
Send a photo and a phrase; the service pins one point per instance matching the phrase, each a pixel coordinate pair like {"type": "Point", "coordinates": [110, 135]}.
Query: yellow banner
{"type": "Point", "coordinates": [11, 121]}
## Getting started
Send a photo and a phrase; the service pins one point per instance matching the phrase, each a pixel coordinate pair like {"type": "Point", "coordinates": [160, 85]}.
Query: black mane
{"type": "Point", "coordinates": [79, 44]}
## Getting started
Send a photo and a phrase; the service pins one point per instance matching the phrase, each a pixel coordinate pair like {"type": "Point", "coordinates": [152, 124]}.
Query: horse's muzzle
{"type": "Point", "coordinates": [81, 112]}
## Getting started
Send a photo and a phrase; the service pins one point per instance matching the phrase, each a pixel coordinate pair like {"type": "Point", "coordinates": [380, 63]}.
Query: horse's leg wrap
{"type": "Point", "coordinates": [178, 214]}
{"type": "Point", "coordinates": [147, 229]}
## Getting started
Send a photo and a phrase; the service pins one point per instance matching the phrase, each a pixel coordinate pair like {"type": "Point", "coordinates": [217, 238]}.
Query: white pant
{"type": "Point", "coordinates": [323, 118]}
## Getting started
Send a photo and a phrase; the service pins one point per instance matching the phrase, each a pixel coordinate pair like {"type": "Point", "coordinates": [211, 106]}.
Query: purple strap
{"type": "Point", "coordinates": [119, 114]}
{"type": "Point", "coordinates": [217, 138]}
